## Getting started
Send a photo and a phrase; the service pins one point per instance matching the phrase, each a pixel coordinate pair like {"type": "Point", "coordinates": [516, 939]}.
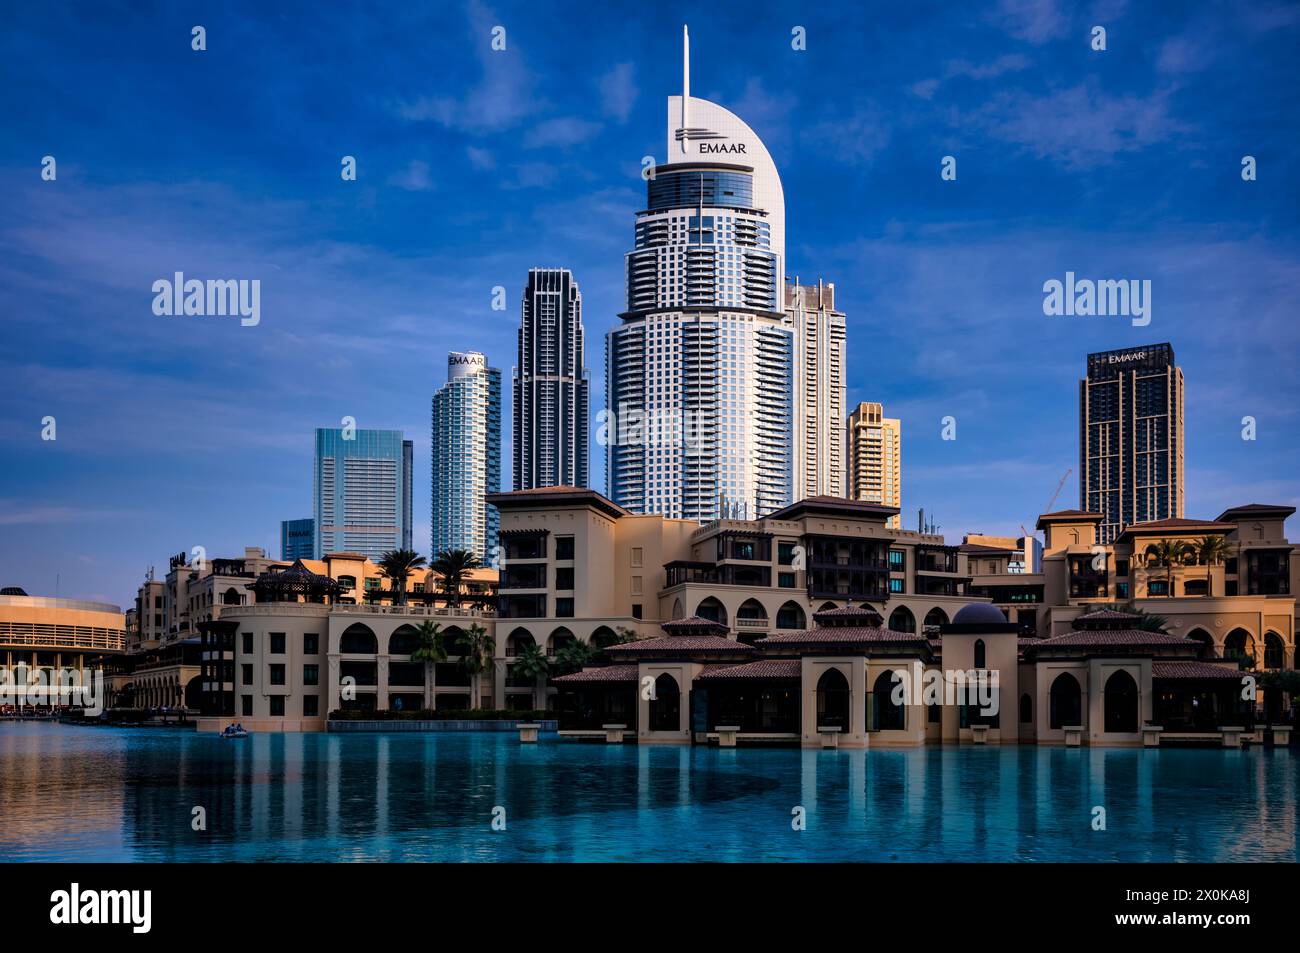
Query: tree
{"type": "Point", "coordinates": [1169, 553]}
{"type": "Point", "coordinates": [453, 566]}
{"type": "Point", "coordinates": [431, 650]}
{"type": "Point", "coordinates": [477, 650]}
{"type": "Point", "coordinates": [574, 656]}
{"type": "Point", "coordinates": [397, 565]}
{"type": "Point", "coordinates": [531, 662]}
{"type": "Point", "coordinates": [1211, 550]}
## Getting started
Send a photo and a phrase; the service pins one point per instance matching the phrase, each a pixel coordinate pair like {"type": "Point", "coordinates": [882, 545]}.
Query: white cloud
{"type": "Point", "coordinates": [414, 178]}
{"type": "Point", "coordinates": [561, 133]}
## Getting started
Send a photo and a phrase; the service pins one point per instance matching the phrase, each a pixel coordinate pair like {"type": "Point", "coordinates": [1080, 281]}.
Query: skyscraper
{"type": "Point", "coordinates": [700, 373]}
{"type": "Point", "coordinates": [550, 384]}
{"type": "Point", "coordinates": [297, 539]}
{"type": "Point", "coordinates": [362, 491]}
{"type": "Point", "coordinates": [819, 398]}
{"type": "Point", "coordinates": [1131, 437]}
{"type": "Point", "coordinates": [466, 433]}
{"type": "Point", "coordinates": [875, 451]}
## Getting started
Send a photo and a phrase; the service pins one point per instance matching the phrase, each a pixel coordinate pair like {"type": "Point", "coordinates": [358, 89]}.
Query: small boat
{"type": "Point", "coordinates": [234, 731]}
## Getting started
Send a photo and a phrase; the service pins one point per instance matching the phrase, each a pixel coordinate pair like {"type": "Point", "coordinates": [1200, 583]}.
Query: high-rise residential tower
{"type": "Point", "coordinates": [700, 372]}
{"type": "Point", "coordinates": [550, 384]}
{"type": "Point", "coordinates": [819, 397]}
{"type": "Point", "coordinates": [1131, 437]}
{"type": "Point", "coordinates": [875, 452]}
{"type": "Point", "coordinates": [466, 433]}
{"type": "Point", "coordinates": [362, 491]}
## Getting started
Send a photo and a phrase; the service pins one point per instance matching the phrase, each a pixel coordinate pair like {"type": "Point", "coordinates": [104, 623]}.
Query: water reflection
{"type": "Point", "coordinates": [74, 793]}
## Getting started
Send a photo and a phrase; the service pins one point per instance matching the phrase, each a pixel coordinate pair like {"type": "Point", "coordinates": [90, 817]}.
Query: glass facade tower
{"type": "Point", "coordinates": [466, 439]}
{"type": "Point", "coordinates": [700, 372]}
{"type": "Point", "coordinates": [1131, 437]}
{"type": "Point", "coordinates": [550, 384]}
{"type": "Point", "coordinates": [362, 492]}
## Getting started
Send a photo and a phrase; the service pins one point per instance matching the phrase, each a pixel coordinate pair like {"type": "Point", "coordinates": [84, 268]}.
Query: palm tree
{"type": "Point", "coordinates": [531, 662]}
{"type": "Point", "coordinates": [1211, 550]}
{"type": "Point", "coordinates": [477, 649]}
{"type": "Point", "coordinates": [397, 565]}
{"type": "Point", "coordinates": [1169, 553]}
{"type": "Point", "coordinates": [574, 656]}
{"type": "Point", "coordinates": [454, 567]}
{"type": "Point", "coordinates": [431, 650]}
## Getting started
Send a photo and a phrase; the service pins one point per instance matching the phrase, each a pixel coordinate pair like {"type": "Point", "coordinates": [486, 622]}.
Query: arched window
{"type": "Point", "coordinates": [559, 639]}
{"type": "Point", "coordinates": [902, 620]}
{"type": "Point", "coordinates": [980, 655]}
{"type": "Point", "coordinates": [713, 610]}
{"type": "Point", "coordinates": [1026, 709]}
{"type": "Point", "coordinates": [936, 616]}
{"type": "Point", "coordinates": [751, 611]}
{"type": "Point", "coordinates": [451, 637]}
{"type": "Point", "coordinates": [1274, 651]}
{"type": "Point", "coordinates": [517, 641]}
{"type": "Point", "coordinates": [1239, 646]}
{"type": "Point", "coordinates": [826, 607]}
{"type": "Point", "coordinates": [231, 597]}
{"type": "Point", "coordinates": [833, 700]}
{"type": "Point", "coordinates": [1121, 702]}
{"type": "Point", "coordinates": [886, 715]}
{"type": "Point", "coordinates": [603, 636]}
{"type": "Point", "coordinates": [1066, 702]}
{"type": "Point", "coordinates": [791, 616]}
{"type": "Point", "coordinates": [1207, 640]}
{"type": "Point", "coordinates": [404, 640]}
{"type": "Point", "coordinates": [666, 706]}
{"type": "Point", "coordinates": [358, 639]}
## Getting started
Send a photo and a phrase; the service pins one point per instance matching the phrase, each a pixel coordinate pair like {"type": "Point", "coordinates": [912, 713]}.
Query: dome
{"type": "Point", "coordinates": [979, 613]}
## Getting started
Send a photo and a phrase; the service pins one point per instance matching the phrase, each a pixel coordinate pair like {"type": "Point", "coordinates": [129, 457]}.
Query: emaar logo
{"type": "Point", "coordinates": [101, 907]}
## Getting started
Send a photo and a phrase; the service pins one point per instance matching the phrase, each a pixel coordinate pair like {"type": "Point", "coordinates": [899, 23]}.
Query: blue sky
{"type": "Point", "coordinates": [475, 165]}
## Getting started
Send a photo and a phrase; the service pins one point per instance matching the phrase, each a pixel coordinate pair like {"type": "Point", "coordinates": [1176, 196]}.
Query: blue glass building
{"type": "Point", "coordinates": [297, 539]}
{"type": "Point", "coordinates": [362, 492]}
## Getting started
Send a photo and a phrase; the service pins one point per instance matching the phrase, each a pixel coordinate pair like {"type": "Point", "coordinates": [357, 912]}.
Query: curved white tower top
{"type": "Point", "coordinates": [702, 131]}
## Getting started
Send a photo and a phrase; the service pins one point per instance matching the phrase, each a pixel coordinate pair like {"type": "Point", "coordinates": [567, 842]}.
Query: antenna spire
{"type": "Point", "coordinates": [686, 82]}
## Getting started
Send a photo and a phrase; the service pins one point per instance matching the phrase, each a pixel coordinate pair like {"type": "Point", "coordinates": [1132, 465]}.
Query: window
{"type": "Point", "coordinates": [564, 547]}
{"type": "Point", "coordinates": [637, 585]}
{"type": "Point", "coordinates": [277, 643]}
{"type": "Point", "coordinates": [277, 674]}
{"type": "Point", "coordinates": [637, 556]}
{"type": "Point", "coordinates": [564, 577]}
{"type": "Point", "coordinates": [248, 643]}
{"type": "Point", "coordinates": [564, 608]}
{"type": "Point", "coordinates": [246, 674]}
{"type": "Point", "coordinates": [311, 644]}
{"type": "Point", "coordinates": [897, 560]}
{"type": "Point", "coordinates": [311, 674]}
{"type": "Point", "coordinates": [350, 582]}
{"type": "Point", "coordinates": [1121, 590]}
{"type": "Point", "coordinates": [1121, 567]}
{"type": "Point", "coordinates": [785, 553]}
{"type": "Point", "coordinates": [896, 585]}
{"type": "Point", "coordinates": [277, 705]}
{"type": "Point", "coordinates": [310, 706]}
{"type": "Point", "coordinates": [785, 580]}
{"type": "Point", "coordinates": [636, 610]}
{"type": "Point", "coordinates": [246, 704]}
{"type": "Point", "coordinates": [1158, 587]}
{"type": "Point", "coordinates": [981, 660]}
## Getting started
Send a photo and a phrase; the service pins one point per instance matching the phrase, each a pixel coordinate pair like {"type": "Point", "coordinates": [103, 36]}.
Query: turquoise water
{"type": "Point", "coordinates": [99, 794]}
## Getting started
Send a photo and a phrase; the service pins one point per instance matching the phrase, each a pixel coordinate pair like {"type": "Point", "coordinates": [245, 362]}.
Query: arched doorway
{"type": "Point", "coordinates": [603, 636]}
{"type": "Point", "coordinates": [791, 616]}
{"type": "Point", "coordinates": [560, 639]}
{"type": "Point", "coordinates": [666, 706]}
{"type": "Point", "coordinates": [713, 610]}
{"type": "Point", "coordinates": [358, 639]}
{"type": "Point", "coordinates": [886, 715]}
{"type": "Point", "coordinates": [1206, 640]}
{"type": "Point", "coordinates": [1066, 701]}
{"type": "Point", "coordinates": [833, 700]}
{"type": "Point", "coordinates": [902, 620]}
{"type": "Point", "coordinates": [518, 640]}
{"type": "Point", "coordinates": [1121, 703]}
{"type": "Point", "coordinates": [936, 616]}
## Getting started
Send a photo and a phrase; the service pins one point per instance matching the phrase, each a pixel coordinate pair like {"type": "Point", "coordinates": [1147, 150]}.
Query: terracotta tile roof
{"type": "Point", "coordinates": [763, 668]}
{"type": "Point", "coordinates": [675, 644]}
{"type": "Point", "coordinates": [608, 673]}
{"type": "Point", "coordinates": [1176, 524]}
{"type": "Point", "coordinates": [1191, 669]}
{"type": "Point", "coordinates": [693, 625]}
{"type": "Point", "coordinates": [845, 635]}
{"type": "Point", "coordinates": [1103, 615]}
{"type": "Point", "coordinates": [1061, 516]}
{"type": "Point", "coordinates": [867, 614]}
{"type": "Point", "coordinates": [1134, 638]}
{"type": "Point", "coordinates": [1255, 509]}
